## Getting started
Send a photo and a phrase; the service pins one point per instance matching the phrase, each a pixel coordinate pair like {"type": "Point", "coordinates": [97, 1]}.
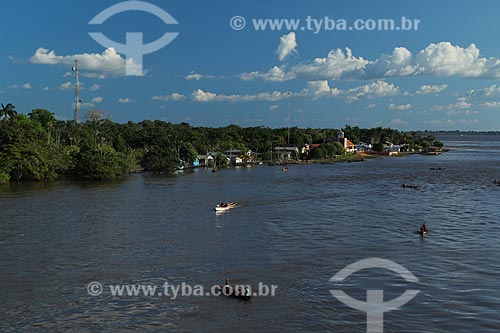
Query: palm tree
{"type": "Point", "coordinates": [8, 111]}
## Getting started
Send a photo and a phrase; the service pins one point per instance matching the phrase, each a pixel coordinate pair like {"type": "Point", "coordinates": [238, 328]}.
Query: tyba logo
{"type": "Point", "coordinates": [374, 305]}
{"type": "Point", "coordinates": [134, 48]}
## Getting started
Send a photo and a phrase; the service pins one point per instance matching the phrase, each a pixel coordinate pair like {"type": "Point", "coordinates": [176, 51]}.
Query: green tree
{"type": "Point", "coordinates": [25, 149]}
{"type": "Point", "coordinates": [221, 160]}
{"type": "Point", "coordinates": [99, 163]}
{"type": "Point", "coordinates": [45, 118]}
{"type": "Point", "coordinates": [27, 162]}
{"type": "Point", "coordinates": [8, 111]}
{"type": "Point", "coordinates": [159, 159]}
{"type": "Point", "coordinates": [187, 153]}
{"type": "Point", "coordinates": [4, 169]}
{"type": "Point", "coordinates": [379, 146]}
{"type": "Point", "coordinates": [340, 148]}
{"type": "Point", "coordinates": [331, 149]}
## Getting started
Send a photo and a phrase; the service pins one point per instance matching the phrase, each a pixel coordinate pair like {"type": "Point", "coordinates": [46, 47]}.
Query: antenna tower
{"type": "Point", "coordinates": [76, 114]}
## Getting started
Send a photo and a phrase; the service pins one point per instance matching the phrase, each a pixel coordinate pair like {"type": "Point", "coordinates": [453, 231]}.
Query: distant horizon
{"type": "Point", "coordinates": [368, 64]}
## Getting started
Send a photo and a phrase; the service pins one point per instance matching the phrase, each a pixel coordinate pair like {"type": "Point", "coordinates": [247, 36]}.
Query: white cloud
{"type": "Point", "coordinates": [273, 107]}
{"type": "Point", "coordinates": [440, 122]}
{"type": "Point", "coordinates": [468, 122]}
{"type": "Point", "coordinates": [194, 76]}
{"type": "Point", "coordinates": [203, 96]}
{"type": "Point", "coordinates": [491, 92]}
{"type": "Point", "coordinates": [315, 90]}
{"type": "Point", "coordinates": [446, 59]}
{"type": "Point", "coordinates": [322, 88]}
{"type": "Point", "coordinates": [461, 107]}
{"type": "Point", "coordinates": [399, 63]}
{"type": "Point", "coordinates": [66, 85]}
{"type": "Point", "coordinates": [400, 107]}
{"type": "Point", "coordinates": [27, 85]}
{"type": "Point", "coordinates": [319, 88]}
{"type": "Point", "coordinates": [125, 100]}
{"type": "Point", "coordinates": [372, 90]}
{"type": "Point", "coordinates": [99, 65]}
{"type": "Point", "coordinates": [494, 104]}
{"type": "Point", "coordinates": [197, 76]}
{"type": "Point", "coordinates": [46, 88]}
{"type": "Point", "coordinates": [275, 74]}
{"type": "Point", "coordinates": [457, 112]}
{"type": "Point", "coordinates": [440, 59]}
{"type": "Point", "coordinates": [288, 45]}
{"type": "Point", "coordinates": [337, 65]}
{"type": "Point", "coordinates": [93, 75]}
{"type": "Point", "coordinates": [397, 121]}
{"type": "Point", "coordinates": [370, 106]}
{"type": "Point", "coordinates": [449, 107]}
{"type": "Point", "coordinates": [67, 74]}
{"type": "Point", "coordinates": [95, 87]}
{"type": "Point", "coordinates": [97, 99]}
{"type": "Point", "coordinates": [172, 97]}
{"type": "Point", "coordinates": [431, 89]}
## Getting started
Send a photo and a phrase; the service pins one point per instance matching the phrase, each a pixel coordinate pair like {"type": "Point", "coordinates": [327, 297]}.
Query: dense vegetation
{"type": "Point", "coordinates": [37, 146]}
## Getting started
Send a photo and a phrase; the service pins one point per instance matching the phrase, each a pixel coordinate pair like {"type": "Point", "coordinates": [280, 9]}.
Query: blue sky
{"type": "Point", "coordinates": [442, 76]}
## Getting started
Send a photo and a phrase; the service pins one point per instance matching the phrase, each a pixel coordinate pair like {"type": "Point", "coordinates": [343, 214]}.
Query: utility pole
{"type": "Point", "coordinates": [289, 94]}
{"type": "Point", "coordinates": [76, 113]}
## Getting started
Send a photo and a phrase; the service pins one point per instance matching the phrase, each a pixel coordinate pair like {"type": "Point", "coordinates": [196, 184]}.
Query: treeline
{"type": "Point", "coordinates": [457, 132]}
{"type": "Point", "coordinates": [39, 147]}
{"type": "Point", "coordinates": [415, 139]}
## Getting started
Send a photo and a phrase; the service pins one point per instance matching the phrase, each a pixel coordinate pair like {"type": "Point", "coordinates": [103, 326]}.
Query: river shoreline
{"type": "Point", "coordinates": [348, 158]}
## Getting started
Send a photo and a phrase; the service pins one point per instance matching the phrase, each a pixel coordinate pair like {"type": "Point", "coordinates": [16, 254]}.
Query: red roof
{"type": "Point", "coordinates": [348, 143]}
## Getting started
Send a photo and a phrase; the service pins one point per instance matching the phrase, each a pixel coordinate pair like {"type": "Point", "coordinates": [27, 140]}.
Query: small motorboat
{"type": "Point", "coordinates": [229, 292]}
{"type": "Point", "coordinates": [227, 206]}
{"type": "Point", "coordinates": [243, 297]}
{"type": "Point", "coordinates": [410, 185]}
{"type": "Point", "coordinates": [284, 169]}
